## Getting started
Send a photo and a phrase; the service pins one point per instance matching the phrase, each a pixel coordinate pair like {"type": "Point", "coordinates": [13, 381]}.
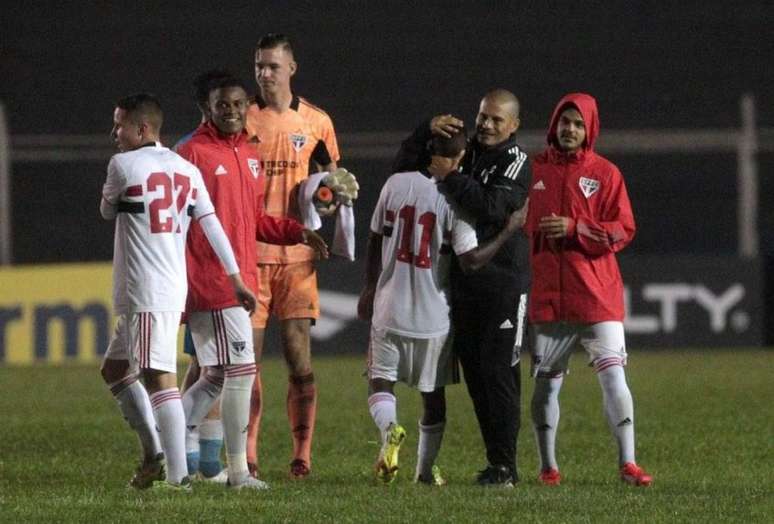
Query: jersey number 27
{"type": "Point", "coordinates": [163, 203]}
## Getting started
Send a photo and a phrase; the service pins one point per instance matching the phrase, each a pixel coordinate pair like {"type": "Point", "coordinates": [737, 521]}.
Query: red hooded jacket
{"type": "Point", "coordinates": [576, 278]}
{"type": "Point", "coordinates": [231, 173]}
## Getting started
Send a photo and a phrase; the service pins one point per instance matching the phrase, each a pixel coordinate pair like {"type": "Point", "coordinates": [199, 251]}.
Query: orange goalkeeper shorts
{"type": "Point", "coordinates": [286, 291]}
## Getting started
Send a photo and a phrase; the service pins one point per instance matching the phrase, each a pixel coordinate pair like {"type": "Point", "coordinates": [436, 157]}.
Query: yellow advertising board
{"type": "Point", "coordinates": [54, 313]}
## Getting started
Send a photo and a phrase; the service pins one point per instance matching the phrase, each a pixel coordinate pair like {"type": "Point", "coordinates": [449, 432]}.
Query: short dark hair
{"type": "Point", "coordinates": [451, 146]}
{"type": "Point", "coordinates": [201, 84]}
{"type": "Point", "coordinates": [143, 107]}
{"type": "Point", "coordinates": [272, 40]}
{"type": "Point", "coordinates": [225, 81]}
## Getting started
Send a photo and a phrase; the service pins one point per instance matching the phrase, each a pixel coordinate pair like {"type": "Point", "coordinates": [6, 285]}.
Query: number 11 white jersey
{"type": "Point", "coordinates": [419, 228]}
{"type": "Point", "coordinates": [155, 192]}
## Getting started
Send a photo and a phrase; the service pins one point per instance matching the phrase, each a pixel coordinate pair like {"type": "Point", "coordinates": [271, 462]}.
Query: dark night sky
{"type": "Point", "coordinates": [383, 66]}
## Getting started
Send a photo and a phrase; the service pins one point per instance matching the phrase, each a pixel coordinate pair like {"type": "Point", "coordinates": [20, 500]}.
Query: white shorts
{"type": "Point", "coordinates": [147, 340]}
{"type": "Point", "coordinates": [222, 336]}
{"type": "Point", "coordinates": [553, 343]}
{"type": "Point", "coordinates": [422, 363]}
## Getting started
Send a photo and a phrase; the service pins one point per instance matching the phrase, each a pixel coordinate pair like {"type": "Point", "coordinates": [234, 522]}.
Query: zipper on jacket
{"type": "Point", "coordinates": [241, 192]}
{"type": "Point", "coordinates": [565, 176]}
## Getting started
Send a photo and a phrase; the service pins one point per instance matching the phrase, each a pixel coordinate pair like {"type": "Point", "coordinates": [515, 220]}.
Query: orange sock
{"type": "Point", "coordinates": [254, 425]}
{"type": "Point", "coordinates": [302, 411]}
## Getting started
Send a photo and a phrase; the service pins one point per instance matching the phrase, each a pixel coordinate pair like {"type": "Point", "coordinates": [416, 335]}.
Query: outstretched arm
{"type": "Point", "coordinates": [505, 190]}
{"type": "Point", "coordinates": [479, 257]}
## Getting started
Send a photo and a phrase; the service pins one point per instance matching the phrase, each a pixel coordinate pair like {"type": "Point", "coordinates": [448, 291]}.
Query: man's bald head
{"type": "Point", "coordinates": [506, 99]}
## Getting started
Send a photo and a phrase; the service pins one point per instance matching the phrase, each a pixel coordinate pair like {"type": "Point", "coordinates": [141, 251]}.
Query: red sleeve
{"type": "Point", "coordinates": [281, 231]}
{"type": "Point", "coordinates": [186, 151]}
{"type": "Point", "coordinates": [613, 228]}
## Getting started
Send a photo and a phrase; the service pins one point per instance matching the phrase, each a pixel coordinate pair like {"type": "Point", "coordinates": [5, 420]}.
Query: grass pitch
{"type": "Point", "coordinates": [703, 421]}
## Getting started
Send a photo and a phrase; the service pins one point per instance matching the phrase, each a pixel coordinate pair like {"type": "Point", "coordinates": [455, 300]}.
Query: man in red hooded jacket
{"type": "Point", "coordinates": [579, 217]}
{"type": "Point", "coordinates": [222, 333]}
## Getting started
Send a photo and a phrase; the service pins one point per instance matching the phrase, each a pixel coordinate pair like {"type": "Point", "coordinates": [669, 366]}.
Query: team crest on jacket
{"type": "Point", "coordinates": [255, 166]}
{"type": "Point", "coordinates": [298, 140]}
{"type": "Point", "coordinates": [589, 186]}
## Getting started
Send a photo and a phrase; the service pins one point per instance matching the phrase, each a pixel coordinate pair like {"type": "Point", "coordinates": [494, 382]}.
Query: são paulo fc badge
{"type": "Point", "coordinates": [255, 166]}
{"type": "Point", "coordinates": [298, 140]}
{"type": "Point", "coordinates": [589, 186]}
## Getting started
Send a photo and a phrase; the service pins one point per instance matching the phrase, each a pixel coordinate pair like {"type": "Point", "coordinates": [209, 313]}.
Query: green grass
{"type": "Point", "coordinates": [704, 426]}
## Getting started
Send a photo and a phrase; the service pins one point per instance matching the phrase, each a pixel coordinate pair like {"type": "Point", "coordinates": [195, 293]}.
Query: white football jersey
{"type": "Point", "coordinates": [419, 228]}
{"type": "Point", "coordinates": [156, 192]}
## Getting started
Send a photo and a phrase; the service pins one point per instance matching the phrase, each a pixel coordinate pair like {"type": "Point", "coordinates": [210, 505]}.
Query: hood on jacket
{"type": "Point", "coordinates": [587, 106]}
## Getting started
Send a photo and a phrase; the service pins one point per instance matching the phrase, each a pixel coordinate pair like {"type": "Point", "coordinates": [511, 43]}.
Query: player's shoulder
{"type": "Point", "coordinates": [514, 153]}
{"type": "Point", "coordinates": [515, 150]}
{"type": "Point", "coordinates": [179, 162]}
{"type": "Point", "coordinates": [309, 109]}
{"type": "Point", "coordinates": [406, 178]}
{"type": "Point", "coordinates": [602, 167]}
{"type": "Point", "coordinates": [126, 160]}
{"type": "Point", "coordinates": [604, 162]}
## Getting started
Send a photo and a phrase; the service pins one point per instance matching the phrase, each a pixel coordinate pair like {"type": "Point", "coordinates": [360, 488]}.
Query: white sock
{"type": "Point", "coordinates": [545, 418]}
{"type": "Point", "coordinates": [197, 401]}
{"type": "Point", "coordinates": [133, 401]}
{"type": "Point", "coordinates": [211, 429]}
{"type": "Point", "coordinates": [383, 410]}
{"type": "Point", "coordinates": [235, 414]}
{"type": "Point", "coordinates": [191, 438]}
{"type": "Point", "coordinates": [430, 438]}
{"type": "Point", "coordinates": [168, 410]}
{"type": "Point", "coordinates": [619, 410]}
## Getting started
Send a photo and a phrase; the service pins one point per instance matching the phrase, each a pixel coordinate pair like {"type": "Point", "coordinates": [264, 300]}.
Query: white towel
{"type": "Point", "coordinates": [344, 229]}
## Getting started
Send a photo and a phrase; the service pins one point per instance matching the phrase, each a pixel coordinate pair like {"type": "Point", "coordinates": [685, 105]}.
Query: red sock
{"type": "Point", "coordinates": [302, 411]}
{"type": "Point", "coordinates": [254, 425]}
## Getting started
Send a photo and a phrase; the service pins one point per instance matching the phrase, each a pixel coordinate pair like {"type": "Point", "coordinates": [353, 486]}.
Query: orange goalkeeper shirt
{"type": "Point", "coordinates": [287, 143]}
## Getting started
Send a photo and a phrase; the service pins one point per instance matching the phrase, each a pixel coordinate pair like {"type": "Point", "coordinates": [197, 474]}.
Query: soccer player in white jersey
{"type": "Point", "coordinates": [405, 296]}
{"type": "Point", "coordinates": [153, 194]}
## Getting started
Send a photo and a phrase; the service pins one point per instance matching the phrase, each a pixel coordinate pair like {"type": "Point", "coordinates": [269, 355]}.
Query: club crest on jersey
{"type": "Point", "coordinates": [589, 186]}
{"type": "Point", "coordinates": [255, 167]}
{"type": "Point", "coordinates": [298, 140]}
{"type": "Point", "coordinates": [238, 345]}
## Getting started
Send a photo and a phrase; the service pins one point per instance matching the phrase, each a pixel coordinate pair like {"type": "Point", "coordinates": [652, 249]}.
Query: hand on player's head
{"type": "Point", "coordinates": [446, 125]}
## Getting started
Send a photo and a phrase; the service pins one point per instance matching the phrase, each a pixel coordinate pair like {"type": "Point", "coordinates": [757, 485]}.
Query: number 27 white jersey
{"type": "Point", "coordinates": [419, 228]}
{"type": "Point", "coordinates": [156, 192]}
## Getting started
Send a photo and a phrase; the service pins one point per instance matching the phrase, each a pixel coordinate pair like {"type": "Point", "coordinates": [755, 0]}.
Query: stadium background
{"type": "Point", "coordinates": [379, 69]}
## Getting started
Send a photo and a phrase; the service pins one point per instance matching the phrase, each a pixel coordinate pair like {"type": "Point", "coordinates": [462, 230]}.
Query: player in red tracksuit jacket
{"type": "Point", "coordinates": [579, 217]}
{"type": "Point", "coordinates": [222, 332]}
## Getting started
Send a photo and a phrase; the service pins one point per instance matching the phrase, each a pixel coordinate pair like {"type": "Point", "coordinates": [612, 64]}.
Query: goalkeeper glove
{"type": "Point", "coordinates": [343, 184]}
